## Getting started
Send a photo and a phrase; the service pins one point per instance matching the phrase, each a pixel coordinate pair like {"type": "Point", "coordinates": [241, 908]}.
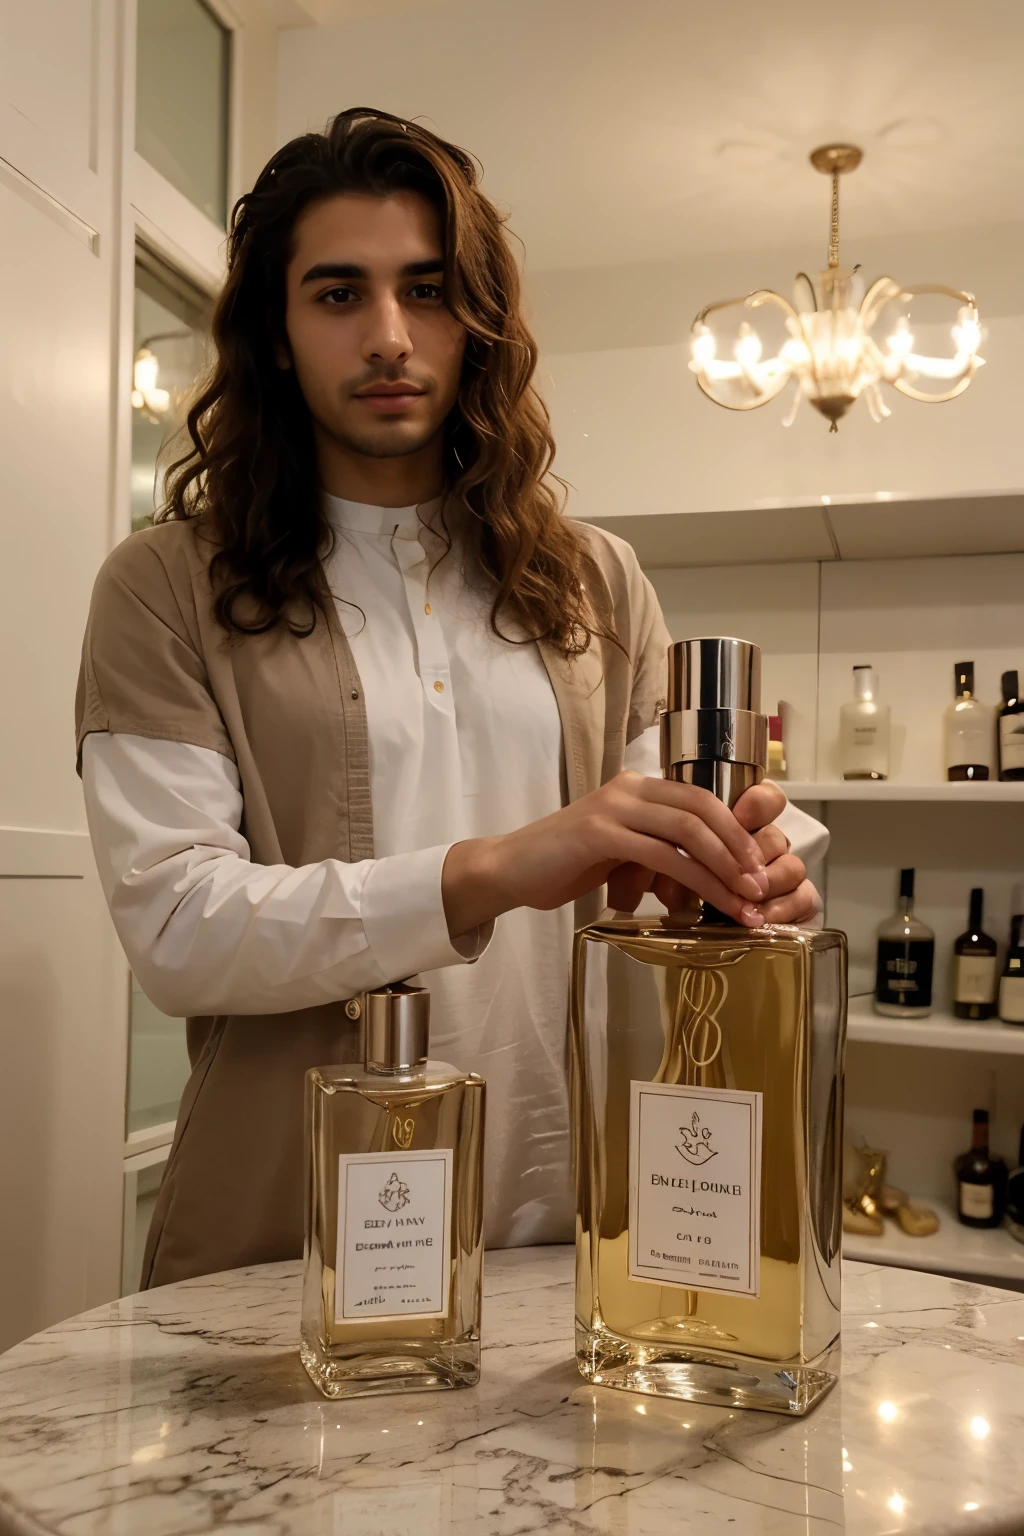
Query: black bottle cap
{"type": "Point", "coordinates": [981, 1117]}
{"type": "Point", "coordinates": [907, 882]}
{"type": "Point", "coordinates": [1010, 688]}
{"type": "Point", "coordinates": [977, 903]}
{"type": "Point", "coordinates": [963, 672]}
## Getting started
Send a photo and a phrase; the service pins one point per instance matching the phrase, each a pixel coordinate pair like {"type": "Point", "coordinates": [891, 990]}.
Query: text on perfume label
{"type": "Point", "coordinates": [696, 1186]}
{"type": "Point", "coordinates": [406, 1198]}
{"type": "Point", "coordinates": [398, 1221]}
{"type": "Point", "coordinates": [711, 1242]}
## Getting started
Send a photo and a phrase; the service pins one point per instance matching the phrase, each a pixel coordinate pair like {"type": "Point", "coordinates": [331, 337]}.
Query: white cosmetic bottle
{"type": "Point", "coordinates": [864, 730]}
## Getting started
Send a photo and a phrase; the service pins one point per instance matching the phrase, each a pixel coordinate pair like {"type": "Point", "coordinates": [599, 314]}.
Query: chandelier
{"type": "Point", "coordinates": [831, 352]}
{"type": "Point", "coordinates": [147, 396]}
{"type": "Point", "coordinates": [155, 403]}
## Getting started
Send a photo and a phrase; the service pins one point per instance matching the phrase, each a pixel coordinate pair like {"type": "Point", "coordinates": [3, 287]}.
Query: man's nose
{"type": "Point", "coordinates": [387, 338]}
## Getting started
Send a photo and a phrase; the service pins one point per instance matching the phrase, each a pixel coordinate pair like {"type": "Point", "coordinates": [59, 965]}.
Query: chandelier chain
{"type": "Point", "coordinates": [833, 239]}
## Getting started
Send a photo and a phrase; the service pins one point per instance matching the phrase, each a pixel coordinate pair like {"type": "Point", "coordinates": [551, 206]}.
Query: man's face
{"type": "Point", "coordinates": [377, 355]}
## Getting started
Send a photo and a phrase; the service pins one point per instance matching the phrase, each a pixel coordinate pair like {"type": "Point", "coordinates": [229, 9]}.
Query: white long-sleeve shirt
{"type": "Point", "coordinates": [465, 741]}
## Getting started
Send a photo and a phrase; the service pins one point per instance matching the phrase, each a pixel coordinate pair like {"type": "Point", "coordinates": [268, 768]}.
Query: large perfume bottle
{"type": "Point", "coordinates": [394, 1212]}
{"type": "Point", "coordinates": [708, 1106]}
{"type": "Point", "coordinates": [864, 729]}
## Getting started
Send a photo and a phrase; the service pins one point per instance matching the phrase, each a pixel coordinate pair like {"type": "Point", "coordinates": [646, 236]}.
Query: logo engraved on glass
{"type": "Point", "coordinates": [402, 1132]}
{"type": "Point", "coordinates": [696, 1142]}
{"type": "Point", "coordinates": [394, 1195]}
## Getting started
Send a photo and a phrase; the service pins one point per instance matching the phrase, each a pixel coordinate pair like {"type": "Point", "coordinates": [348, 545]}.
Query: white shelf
{"type": "Point", "coordinates": [988, 792]}
{"type": "Point", "coordinates": [879, 527]}
{"type": "Point", "coordinates": [940, 1031]}
{"type": "Point", "coordinates": [988, 1253]}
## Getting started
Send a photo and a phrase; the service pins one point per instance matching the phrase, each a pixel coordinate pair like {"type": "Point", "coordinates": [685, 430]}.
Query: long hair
{"type": "Point", "coordinates": [250, 471]}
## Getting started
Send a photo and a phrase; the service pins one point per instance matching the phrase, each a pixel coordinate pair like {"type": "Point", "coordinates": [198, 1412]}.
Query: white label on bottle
{"type": "Point", "coordinates": [394, 1228]}
{"type": "Point", "coordinates": [974, 980]}
{"type": "Point", "coordinates": [1011, 999]}
{"type": "Point", "coordinates": [970, 737]}
{"type": "Point", "coordinates": [695, 1187]}
{"type": "Point", "coordinates": [976, 1200]}
{"type": "Point", "coordinates": [1011, 742]}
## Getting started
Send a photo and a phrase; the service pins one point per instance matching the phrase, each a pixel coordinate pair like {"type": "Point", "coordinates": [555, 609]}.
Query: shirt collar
{"type": "Point", "coordinates": [361, 517]}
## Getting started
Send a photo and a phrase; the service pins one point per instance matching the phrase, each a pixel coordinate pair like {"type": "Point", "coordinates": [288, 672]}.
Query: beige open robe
{"type": "Point", "coordinates": [289, 713]}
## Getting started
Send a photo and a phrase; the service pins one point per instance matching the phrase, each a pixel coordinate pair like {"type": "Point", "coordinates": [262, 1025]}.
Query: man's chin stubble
{"type": "Point", "coordinates": [384, 444]}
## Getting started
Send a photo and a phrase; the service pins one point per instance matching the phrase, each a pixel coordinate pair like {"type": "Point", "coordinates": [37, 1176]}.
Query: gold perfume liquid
{"type": "Point", "coordinates": [707, 1105]}
{"type": "Point", "coordinates": [394, 1238]}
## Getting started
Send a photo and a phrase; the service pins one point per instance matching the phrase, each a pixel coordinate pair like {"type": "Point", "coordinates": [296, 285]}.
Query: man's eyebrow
{"type": "Point", "coordinates": [342, 270]}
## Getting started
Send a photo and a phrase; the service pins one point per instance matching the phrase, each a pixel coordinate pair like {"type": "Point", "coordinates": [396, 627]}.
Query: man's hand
{"type": "Point", "coordinates": [640, 833]}
{"type": "Point", "coordinates": [791, 898]}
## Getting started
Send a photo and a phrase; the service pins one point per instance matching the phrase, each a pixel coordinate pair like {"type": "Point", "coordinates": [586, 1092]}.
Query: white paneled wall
{"type": "Point", "coordinates": [912, 619]}
{"type": "Point", "coordinates": [73, 196]}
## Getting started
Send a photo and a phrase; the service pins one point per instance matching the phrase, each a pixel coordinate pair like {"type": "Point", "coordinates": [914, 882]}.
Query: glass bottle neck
{"type": "Point", "coordinates": [979, 1140]}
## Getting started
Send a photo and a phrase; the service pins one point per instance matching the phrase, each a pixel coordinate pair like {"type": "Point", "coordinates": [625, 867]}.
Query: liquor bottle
{"type": "Point", "coordinates": [707, 1087]}
{"type": "Point", "coordinates": [394, 1246]}
{"type": "Point", "coordinates": [905, 960]}
{"type": "Point", "coordinates": [777, 768]}
{"type": "Point", "coordinates": [1011, 729]}
{"type": "Point", "coordinates": [981, 1180]}
{"type": "Point", "coordinates": [969, 728]}
{"type": "Point", "coordinates": [1011, 984]}
{"type": "Point", "coordinates": [975, 968]}
{"type": "Point", "coordinates": [1015, 1195]}
{"type": "Point", "coordinates": [864, 730]}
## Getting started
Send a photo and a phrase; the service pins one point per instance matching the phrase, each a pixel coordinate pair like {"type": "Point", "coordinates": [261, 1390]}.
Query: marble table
{"type": "Point", "coordinates": [185, 1411]}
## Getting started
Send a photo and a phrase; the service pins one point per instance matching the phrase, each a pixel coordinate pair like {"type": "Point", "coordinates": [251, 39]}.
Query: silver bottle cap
{"type": "Point", "coordinates": [716, 673]}
{"type": "Point", "coordinates": [713, 714]}
{"type": "Point", "coordinates": [396, 1022]}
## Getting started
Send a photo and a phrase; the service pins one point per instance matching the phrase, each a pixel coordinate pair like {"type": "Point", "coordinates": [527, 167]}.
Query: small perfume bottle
{"type": "Point", "coordinates": [864, 730]}
{"type": "Point", "coordinates": [394, 1212]}
{"type": "Point", "coordinates": [969, 730]}
{"type": "Point", "coordinates": [708, 1104]}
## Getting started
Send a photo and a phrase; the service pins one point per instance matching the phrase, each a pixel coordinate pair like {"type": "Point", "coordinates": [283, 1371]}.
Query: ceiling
{"type": "Point", "coordinates": [615, 133]}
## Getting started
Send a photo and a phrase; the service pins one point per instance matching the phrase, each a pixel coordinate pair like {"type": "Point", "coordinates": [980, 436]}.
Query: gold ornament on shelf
{"type": "Point", "coordinates": [872, 1198]}
{"type": "Point", "coordinates": [831, 353]}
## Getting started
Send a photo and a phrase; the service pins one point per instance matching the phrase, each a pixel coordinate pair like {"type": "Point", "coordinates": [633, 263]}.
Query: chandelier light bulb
{"type": "Point", "coordinates": [901, 342]}
{"type": "Point", "coordinates": [147, 397]}
{"type": "Point", "coordinates": [702, 347]}
{"type": "Point", "coordinates": [145, 372]}
{"type": "Point", "coordinates": [748, 348]}
{"type": "Point", "coordinates": [831, 355]}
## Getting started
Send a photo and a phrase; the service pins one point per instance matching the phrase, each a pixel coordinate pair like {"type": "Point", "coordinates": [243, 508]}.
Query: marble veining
{"type": "Point", "coordinates": [185, 1411]}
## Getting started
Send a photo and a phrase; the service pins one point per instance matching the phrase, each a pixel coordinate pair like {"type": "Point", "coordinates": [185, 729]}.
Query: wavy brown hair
{"type": "Point", "coordinates": [250, 472]}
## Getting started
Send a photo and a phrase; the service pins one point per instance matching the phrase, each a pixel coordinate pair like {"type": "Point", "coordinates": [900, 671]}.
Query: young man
{"type": "Point", "coordinates": [364, 705]}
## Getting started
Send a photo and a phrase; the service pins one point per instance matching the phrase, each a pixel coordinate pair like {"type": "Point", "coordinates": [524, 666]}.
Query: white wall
{"type": "Point", "coordinates": [61, 1084]}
